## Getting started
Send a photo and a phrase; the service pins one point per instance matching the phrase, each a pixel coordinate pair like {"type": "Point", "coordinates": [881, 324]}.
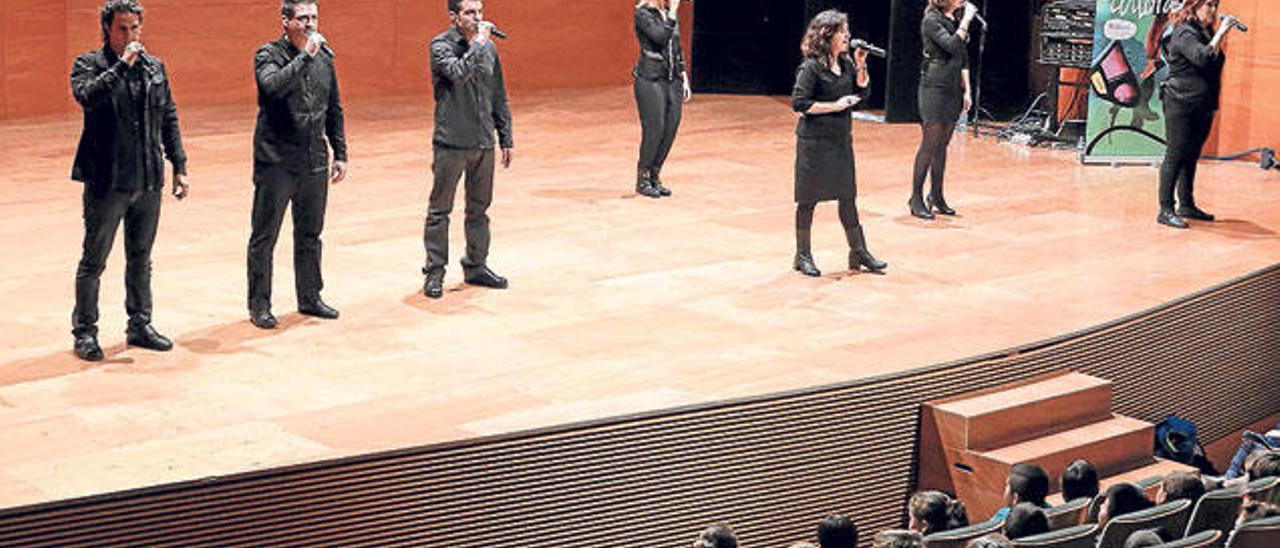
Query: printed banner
{"type": "Point", "coordinates": [1126, 119]}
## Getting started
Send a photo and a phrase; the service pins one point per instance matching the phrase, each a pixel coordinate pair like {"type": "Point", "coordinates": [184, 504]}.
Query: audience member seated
{"type": "Point", "coordinates": [837, 531]}
{"type": "Point", "coordinates": [1079, 480]}
{"type": "Point", "coordinates": [1024, 520]}
{"type": "Point", "coordinates": [994, 540]}
{"type": "Point", "coordinates": [1253, 510]}
{"type": "Point", "coordinates": [1027, 483]}
{"type": "Point", "coordinates": [897, 538]}
{"type": "Point", "coordinates": [1121, 499]}
{"type": "Point", "coordinates": [1143, 538]}
{"type": "Point", "coordinates": [1180, 485]}
{"type": "Point", "coordinates": [934, 511]}
{"type": "Point", "coordinates": [1252, 442]}
{"type": "Point", "coordinates": [1265, 464]}
{"type": "Point", "coordinates": [716, 536]}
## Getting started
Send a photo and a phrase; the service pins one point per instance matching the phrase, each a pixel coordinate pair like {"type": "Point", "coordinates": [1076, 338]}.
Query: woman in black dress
{"type": "Point", "coordinates": [828, 83]}
{"type": "Point", "coordinates": [1193, 51]}
{"type": "Point", "coordinates": [661, 85]}
{"type": "Point", "coordinates": [943, 95]}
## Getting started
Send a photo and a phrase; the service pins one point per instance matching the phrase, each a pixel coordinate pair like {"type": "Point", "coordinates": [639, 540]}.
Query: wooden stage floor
{"type": "Point", "coordinates": [618, 304]}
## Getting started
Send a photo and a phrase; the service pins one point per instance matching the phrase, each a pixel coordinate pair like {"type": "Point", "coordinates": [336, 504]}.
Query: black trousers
{"type": "Point", "coordinates": [309, 193]}
{"type": "Point", "coordinates": [1186, 129]}
{"type": "Point", "coordinates": [661, 105]}
{"type": "Point", "coordinates": [140, 212]}
{"type": "Point", "coordinates": [449, 165]}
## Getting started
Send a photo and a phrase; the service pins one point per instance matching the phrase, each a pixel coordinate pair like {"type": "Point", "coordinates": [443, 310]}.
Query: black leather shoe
{"type": "Point", "coordinates": [1167, 218]}
{"type": "Point", "coordinates": [87, 348]}
{"type": "Point", "coordinates": [645, 188]}
{"type": "Point", "coordinates": [1193, 212]}
{"type": "Point", "coordinates": [262, 319]}
{"type": "Point", "coordinates": [804, 264]}
{"type": "Point", "coordinates": [483, 277]}
{"type": "Point", "coordinates": [316, 307]}
{"type": "Point", "coordinates": [939, 204]}
{"type": "Point", "coordinates": [662, 190]}
{"type": "Point", "coordinates": [147, 337]}
{"type": "Point", "coordinates": [434, 286]}
{"type": "Point", "coordinates": [919, 210]}
{"type": "Point", "coordinates": [863, 258]}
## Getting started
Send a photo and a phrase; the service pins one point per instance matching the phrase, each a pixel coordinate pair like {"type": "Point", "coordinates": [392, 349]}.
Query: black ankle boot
{"type": "Point", "coordinates": [918, 209]}
{"type": "Point", "coordinates": [936, 202]}
{"type": "Point", "coordinates": [644, 185]}
{"type": "Point", "coordinates": [657, 183]}
{"type": "Point", "coordinates": [858, 254]}
{"type": "Point", "coordinates": [803, 262]}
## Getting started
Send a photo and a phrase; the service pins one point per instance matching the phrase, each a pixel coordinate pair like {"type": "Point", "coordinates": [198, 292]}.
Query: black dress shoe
{"type": "Point", "coordinates": [940, 205]}
{"type": "Point", "coordinates": [1193, 212]}
{"type": "Point", "coordinates": [316, 307]}
{"type": "Point", "coordinates": [483, 277]}
{"type": "Point", "coordinates": [646, 188]}
{"type": "Point", "coordinates": [1167, 218]}
{"type": "Point", "coordinates": [87, 348]}
{"type": "Point", "coordinates": [262, 319]}
{"type": "Point", "coordinates": [662, 190]}
{"type": "Point", "coordinates": [919, 210]}
{"type": "Point", "coordinates": [434, 286]}
{"type": "Point", "coordinates": [863, 258]}
{"type": "Point", "coordinates": [147, 337]}
{"type": "Point", "coordinates": [804, 264]}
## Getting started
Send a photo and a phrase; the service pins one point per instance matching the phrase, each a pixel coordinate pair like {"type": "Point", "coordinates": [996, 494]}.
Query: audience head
{"type": "Point", "coordinates": [1027, 483]}
{"type": "Point", "coordinates": [1254, 510]}
{"type": "Point", "coordinates": [897, 538]}
{"type": "Point", "coordinates": [993, 540]}
{"type": "Point", "coordinates": [934, 511]}
{"type": "Point", "coordinates": [1024, 520]}
{"type": "Point", "coordinates": [1079, 480]}
{"type": "Point", "coordinates": [1265, 464]}
{"type": "Point", "coordinates": [1122, 498]}
{"type": "Point", "coordinates": [716, 536]}
{"type": "Point", "coordinates": [1180, 485]}
{"type": "Point", "coordinates": [837, 531]}
{"type": "Point", "coordinates": [1143, 538]}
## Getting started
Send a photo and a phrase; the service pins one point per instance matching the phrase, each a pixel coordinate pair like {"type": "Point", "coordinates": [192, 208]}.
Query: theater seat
{"type": "Point", "coordinates": [1262, 533]}
{"type": "Point", "coordinates": [1079, 536]}
{"type": "Point", "coordinates": [957, 538]}
{"type": "Point", "coordinates": [1216, 510]}
{"type": "Point", "coordinates": [1169, 518]}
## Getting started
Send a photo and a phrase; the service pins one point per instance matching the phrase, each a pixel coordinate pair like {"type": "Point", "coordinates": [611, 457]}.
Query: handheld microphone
{"type": "Point", "coordinates": [858, 43]}
{"type": "Point", "coordinates": [493, 30]}
{"type": "Point", "coordinates": [324, 44]}
{"type": "Point", "coordinates": [1234, 22]}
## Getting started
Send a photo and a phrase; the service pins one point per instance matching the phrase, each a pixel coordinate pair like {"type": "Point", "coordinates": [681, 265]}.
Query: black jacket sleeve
{"type": "Point", "coordinates": [170, 134]}
{"type": "Point", "coordinates": [1186, 42]}
{"type": "Point", "coordinates": [653, 26]}
{"type": "Point", "coordinates": [476, 60]}
{"type": "Point", "coordinates": [948, 41]}
{"type": "Point", "coordinates": [89, 84]}
{"type": "Point", "coordinates": [275, 80]}
{"type": "Point", "coordinates": [803, 95]}
{"type": "Point", "coordinates": [335, 122]}
{"type": "Point", "coordinates": [501, 110]}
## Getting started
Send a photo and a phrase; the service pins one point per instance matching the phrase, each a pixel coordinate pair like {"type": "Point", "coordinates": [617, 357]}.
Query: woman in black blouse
{"type": "Point", "coordinates": [828, 83]}
{"type": "Point", "coordinates": [661, 85]}
{"type": "Point", "coordinates": [943, 95]}
{"type": "Point", "coordinates": [1193, 51]}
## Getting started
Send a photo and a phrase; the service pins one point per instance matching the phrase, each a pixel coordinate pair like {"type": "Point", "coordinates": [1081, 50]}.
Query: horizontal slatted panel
{"type": "Point", "coordinates": [771, 465]}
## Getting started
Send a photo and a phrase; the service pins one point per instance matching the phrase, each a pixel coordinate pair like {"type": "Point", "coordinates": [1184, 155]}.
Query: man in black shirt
{"type": "Point", "coordinates": [129, 117]}
{"type": "Point", "coordinates": [298, 109]}
{"type": "Point", "coordinates": [471, 106]}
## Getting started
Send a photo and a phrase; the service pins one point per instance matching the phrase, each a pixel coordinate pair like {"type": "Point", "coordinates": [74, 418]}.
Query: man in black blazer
{"type": "Point", "coordinates": [299, 119]}
{"type": "Point", "coordinates": [129, 118]}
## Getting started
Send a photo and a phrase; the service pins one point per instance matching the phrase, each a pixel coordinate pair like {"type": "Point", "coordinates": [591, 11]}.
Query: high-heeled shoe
{"type": "Point", "coordinates": [804, 264]}
{"type": "Point", "coordinates": [919, 210]}
{"type": "Point", "coordinates": [939, 204]}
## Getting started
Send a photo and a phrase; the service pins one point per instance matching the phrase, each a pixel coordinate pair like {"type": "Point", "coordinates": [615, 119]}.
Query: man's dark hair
{"type": "Point", "coordinates": [455, 6]}
{"type": "Point", "coordinates": [1255, 510]}
{"type": "Point", "coordinates": [1030, 483]}
{"type": "Point", "coordinates": [1125, 498]}
{"type": "Point", "coordinates": [1181, 485]}
{"type": "Point", "coordinates": [1265, 466]}
{"type": "Point", "coordinates": [837, 531]}
{"type": "Point", "coordinates": [716, 536]}
{"type": "Point", "coordinates": [1025, 519]}
{"type": "Point", "coordinates": [289, 7]}
{"type": "Point", "coordinates": [1143, 538]}
{"type": "Point", "coordinates": [897, 538]}
{"type": "Point", "coordinates": [111, 8]}
{"type": "Point", "coordinates": [1079, 480]}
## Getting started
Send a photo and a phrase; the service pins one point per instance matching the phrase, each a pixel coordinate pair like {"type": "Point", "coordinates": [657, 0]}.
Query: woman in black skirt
{"type": "Point", "coordinates": [661, 85]}
{"type": "Point", "coordinates": [1193, 51]}
{"type": "Point", "coordinates": [943, 95]}
{"type": "Point", "coordinates": [828, 83]}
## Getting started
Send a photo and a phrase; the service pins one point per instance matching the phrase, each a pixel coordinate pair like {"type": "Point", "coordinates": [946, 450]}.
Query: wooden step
{"type": "Point", "coordinates": [1114, 445]}
{"type": "Point", "coordinates": [1007, 416]}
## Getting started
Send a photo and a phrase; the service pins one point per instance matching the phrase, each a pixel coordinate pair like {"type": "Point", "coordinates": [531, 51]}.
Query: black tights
{"type": "Point", "coordinates": [931, 158]}
{"type": "Point", "coordinates": [846, 207]}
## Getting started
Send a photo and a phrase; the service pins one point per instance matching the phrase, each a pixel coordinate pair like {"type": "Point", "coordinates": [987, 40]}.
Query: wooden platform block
{"type": "Point", "coordinates": [1044, 406]}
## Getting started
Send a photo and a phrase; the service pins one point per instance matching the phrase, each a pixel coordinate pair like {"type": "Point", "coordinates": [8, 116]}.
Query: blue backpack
{"type": "Point", "coordinates": [1176, 440]}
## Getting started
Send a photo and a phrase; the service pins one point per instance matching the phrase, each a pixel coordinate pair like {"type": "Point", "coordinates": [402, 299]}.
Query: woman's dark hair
{"type": "Point", "coordinates": [837, 531]}
{"type": "Point", "coordinates": [1030, 483]}
{"type": "Point", "coordinates": [716, 536]}
{"type": "Point", "coordinates": [1024, 520]}
{"type": "Point", "coordinates": [816, 44]}
{"type": "Point", "coordinates": [990, 540]}
{"type": "Point", "coordinates": [1079, 480]}
{"type": "Point", "coordinates": [897, 538]}
{"type": "Point", "coordinates": [1143, 538]}
{"type": "Point", "coordinates": [111, 8]}
{"type": "Point", "coordinates": [1125, 498]}
{"type": "Point", "coordinates": [938, 511]}
{"type": "Point", "coordinates": [1181, 485]}
{"type": "Point", "coordinates": [1188, 11]}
